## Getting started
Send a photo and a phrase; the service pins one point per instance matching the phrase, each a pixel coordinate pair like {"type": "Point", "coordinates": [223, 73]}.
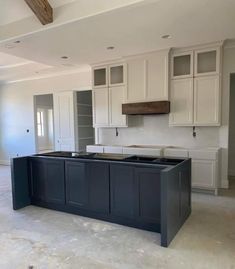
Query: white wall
{"type": "Point", "coordinates": [155, 130]}
{"type": "Point", "coordinates": [17, 115]}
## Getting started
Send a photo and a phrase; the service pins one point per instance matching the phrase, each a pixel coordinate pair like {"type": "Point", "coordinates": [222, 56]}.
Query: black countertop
{"type": "Point", "coordinates": [112, 157]}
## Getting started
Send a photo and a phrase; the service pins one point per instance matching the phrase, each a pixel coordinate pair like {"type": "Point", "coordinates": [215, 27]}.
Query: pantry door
{"type": "Point", "coordinates": [64, 118]}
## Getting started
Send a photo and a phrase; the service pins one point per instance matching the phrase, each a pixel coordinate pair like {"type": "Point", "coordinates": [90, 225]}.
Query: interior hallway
{"type": "Point", "coordinates": [48, 239]}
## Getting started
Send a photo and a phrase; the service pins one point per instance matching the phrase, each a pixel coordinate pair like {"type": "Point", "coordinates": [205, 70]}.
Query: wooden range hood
{"type": "Point", "coordinates": [146, 108]}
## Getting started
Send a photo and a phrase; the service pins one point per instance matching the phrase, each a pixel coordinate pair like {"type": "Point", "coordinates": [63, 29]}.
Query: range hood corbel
{"type": "Point", "coordinates": [146, 108]}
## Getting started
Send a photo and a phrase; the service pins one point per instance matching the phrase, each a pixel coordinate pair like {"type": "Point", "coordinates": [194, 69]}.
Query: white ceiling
{"type": "Point", "coordinates": [15, 10]}
{"type": "Point", "coordinates": [131, 30]}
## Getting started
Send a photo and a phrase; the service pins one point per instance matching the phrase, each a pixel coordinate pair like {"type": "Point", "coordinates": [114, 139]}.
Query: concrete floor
{"type": "Point", "coordinates": [47, 239]}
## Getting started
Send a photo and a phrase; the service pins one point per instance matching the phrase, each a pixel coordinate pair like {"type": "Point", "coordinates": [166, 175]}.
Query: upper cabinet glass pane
{"type": "Point", "coordinates": [206, 62]}
{"type": "Point", "coordinates": [100, 77]}
{"type": "Point", "coordinates": [116, 75]}
{"type": "Point", "coordinates": [181, 65]}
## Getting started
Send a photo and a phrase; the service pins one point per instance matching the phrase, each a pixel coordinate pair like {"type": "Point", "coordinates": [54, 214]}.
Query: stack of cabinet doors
{"type": "Point", "coordinates": [195, 86]}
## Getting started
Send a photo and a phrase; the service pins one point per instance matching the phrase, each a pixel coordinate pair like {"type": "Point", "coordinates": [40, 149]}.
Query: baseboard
{"type": "Point", "coordinates": [4, 162]}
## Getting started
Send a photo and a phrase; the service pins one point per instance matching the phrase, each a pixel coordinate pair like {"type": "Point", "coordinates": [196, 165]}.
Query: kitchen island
{"type": "Point", "coordinates": [143, 192]}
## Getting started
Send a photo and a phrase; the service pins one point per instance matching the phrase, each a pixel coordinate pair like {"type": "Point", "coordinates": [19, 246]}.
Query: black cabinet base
{"type": "Point", "coordinates": [152, 227]}
{"type": "Point", "coordinates": [149, 197]}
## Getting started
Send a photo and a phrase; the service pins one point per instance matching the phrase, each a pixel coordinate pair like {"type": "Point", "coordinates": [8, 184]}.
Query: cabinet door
{"type": "Point", "coordinates": [117, 75]}
{"type": "Point", "coordinates": [54, 181]}
{"type": "Point", "coordinates": [181, 102]}
{"type": "Point", "coordinates": [64, 121]}
{"type": "Point", "coordinates": [136, 80]}
{"type": "Point", "coordinates": [76, 184]}
{"type": "Point", "coordinates": [100, 77]}
{"type": "Point", "coordinates": [98, 177]}
{"type": "Point", "coordinates": [149, 195]}
{"type": "Point", "coordinates": [101, 107]}
{"type": "Point", "coordinates": [123, 191]}
{"type": "Point", "coordinates": [182, 65]}
{"type": "Point", "coordinates": [204, 173]}
{"type": "Point", "coordinates": [116, 98]}
{"type": "Point", "coordinates": [38, 177]}
{"type": "Point", "coordinates": [157, 76]}
{"type": "Point", "coordinates": [207, 62]}
{"type": "Point", "coordinates": [206, 101]}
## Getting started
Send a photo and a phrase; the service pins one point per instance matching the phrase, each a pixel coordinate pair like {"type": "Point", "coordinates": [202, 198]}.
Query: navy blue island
{"type": "Point", "coordinates": [148, 193]}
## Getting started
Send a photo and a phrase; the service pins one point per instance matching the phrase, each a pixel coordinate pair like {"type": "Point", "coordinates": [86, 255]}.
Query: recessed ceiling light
{"type": "Point", "coordinates": [64, 57]}
{"type": "Point", "coordinates": [166, 36]}
{"type": "Point", "coordinates": [110, 48]}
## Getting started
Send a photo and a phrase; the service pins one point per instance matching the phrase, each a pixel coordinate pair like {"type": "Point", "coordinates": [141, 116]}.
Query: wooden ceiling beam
{"type": "Point", "coordinates": [42, 9]}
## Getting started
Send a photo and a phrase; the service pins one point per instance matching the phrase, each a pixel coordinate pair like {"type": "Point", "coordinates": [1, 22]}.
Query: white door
{"type": "Point", "coordinates": [64, 118]}
{"type": "Point", "coordinates": [181, 102]}
{"type": "Point", "coordinates": [116, 98]}
{"type": "Point", "coordinates": [206, 101]}
{"type": "Point", "coordinates": [101, 107]}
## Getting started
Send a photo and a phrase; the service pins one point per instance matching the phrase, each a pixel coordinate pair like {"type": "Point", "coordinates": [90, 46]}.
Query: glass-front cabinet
{"type": "Point", "coordinates": [196, 86]}
{"type": "Point", "coordinates": [100, 77]}
{"type": "Point", "coordinates": [108, 76]}
{"type": "Point", "coordinates": [109, 91]}
{"type": "Point", "coordinates": [117, 75]}
{"type": "Point", "coordinates": [182, 65]}
{"type": "Point", "coordinates": [207, 62]}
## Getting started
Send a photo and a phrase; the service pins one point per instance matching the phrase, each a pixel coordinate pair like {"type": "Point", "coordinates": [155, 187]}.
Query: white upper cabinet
{"type": "Point", "coordinates": [182, 65]}
{"type": "Point", "coordinates": [181, 102]}
{"type": "Point", "coordinates": [206, 101]}
{"type": "Point", "coordinates": [147, 77]}
{"type": "Point", "coordinates": [109, 92]}
{"type": "Point", "coordinates": [100, 77]}
{"type": "Point", "coordinates": [207, 62]}
{"type": "Point", "coordinates": [199, 71]}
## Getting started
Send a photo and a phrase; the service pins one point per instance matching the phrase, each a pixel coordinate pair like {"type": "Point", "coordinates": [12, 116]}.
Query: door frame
{"type": "Point", "coordinates": [35, 121]}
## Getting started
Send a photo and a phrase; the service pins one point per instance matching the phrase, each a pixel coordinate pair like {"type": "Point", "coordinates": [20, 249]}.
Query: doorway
{"type": "Point", "coordinates": [231, 146]}
{"type": "Point", "coordinates": [44, 123]}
